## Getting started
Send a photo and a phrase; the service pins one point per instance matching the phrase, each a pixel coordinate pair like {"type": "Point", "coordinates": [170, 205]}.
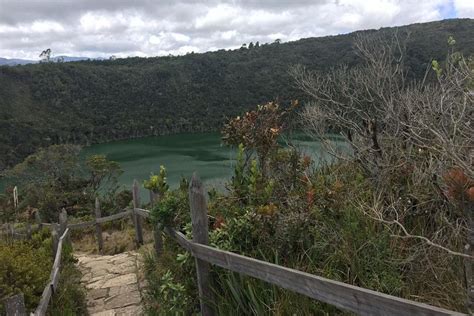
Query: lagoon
{"type": "Point", "coordinates": [182, 154]}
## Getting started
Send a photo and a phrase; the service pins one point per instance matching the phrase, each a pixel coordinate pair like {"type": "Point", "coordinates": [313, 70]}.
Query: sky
{"type": "Point", "coordinates": [101, 28]}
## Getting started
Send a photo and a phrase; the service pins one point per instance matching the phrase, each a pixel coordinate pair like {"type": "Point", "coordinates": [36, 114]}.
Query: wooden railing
{"type": "Point", "coordinates": [60, 232]}
{"type": "Point", "coordinates": [52, 285]}
{"type": "Point", "coordinates": [15, 305]}
{"type": "Point", "coordinates": [344, 296]}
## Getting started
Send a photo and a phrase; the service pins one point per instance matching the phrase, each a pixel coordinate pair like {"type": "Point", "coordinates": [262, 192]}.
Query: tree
{"type": "Point", "coordinates": [103, 172]}
{"type": "Point", "coordinates": [414, 140]}
{"type": "Point", "coordinates": [45, 55]}
{"type": "Point", "coordinates": [57, 177]}
{"type": "Point", "coordinates": [411, 137]}
{"type": "Point", "coordinates": [229, 83]}
{"type": "Point", "coordinates": [258, 130]}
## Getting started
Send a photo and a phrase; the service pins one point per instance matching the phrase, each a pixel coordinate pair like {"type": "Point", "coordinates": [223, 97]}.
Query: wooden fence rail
{"type": "Point", "coordinates": [52, 285]}
{"type": "Point", "coordinates": [344, 296]}
{"type": "Point", "coordinates": [60, 233]}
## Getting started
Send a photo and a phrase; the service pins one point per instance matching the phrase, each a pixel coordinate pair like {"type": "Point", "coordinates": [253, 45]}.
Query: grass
{"type": "Point", "coordinates": [118, 237]}
{"type": "Point", "coordinates": [70, 299]}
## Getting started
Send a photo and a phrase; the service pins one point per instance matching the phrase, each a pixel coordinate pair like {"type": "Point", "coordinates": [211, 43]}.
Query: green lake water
{"type": "Point", "coordinates": [181, 154]}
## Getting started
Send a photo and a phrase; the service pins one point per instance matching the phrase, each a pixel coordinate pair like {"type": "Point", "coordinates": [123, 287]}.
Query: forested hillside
{"type": "Point", "coordinates": [96, 101]}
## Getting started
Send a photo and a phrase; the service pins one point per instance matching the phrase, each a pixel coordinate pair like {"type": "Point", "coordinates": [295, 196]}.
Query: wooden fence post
{"type": "Point", "coordinates": [62, 222]}
{"type": "Point", "coordinates": [11, 230]}
{"type": "Point", "coordinates": [157, 236]}
{"type": "Point", "coordinates": [38, 219]}
{"type": "Point", "coordinates": [28, 231]}
{"type": "Point", "coordinates": [55, 235]}
{"type": "Point", "coordinates": [197, 202]}
{"type": "Point", "coordinates": [98, 228]}
{"type": "Point", "coordinates": [15, 305]}
{"type": "Point", "coordinates": [137, 220]}
{"type": "Point", "coordinates": [63, 225]}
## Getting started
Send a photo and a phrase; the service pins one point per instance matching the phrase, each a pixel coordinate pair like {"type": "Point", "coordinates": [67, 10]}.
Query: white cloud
{"type": "Point", "coordinates": [181, 38]}
{"type": "Point", "coordinates": [228, 34]}
{"type": "Point", "coordinates": [46, 26]}
{"type": "Point", "coordinates": [149, 28]}
{"type": "Point", "coordinates": [94, 22]}
{"type": "Point", "coordinates": [220, 17]}
{"type": "Point", "coordinates": [464, 8]}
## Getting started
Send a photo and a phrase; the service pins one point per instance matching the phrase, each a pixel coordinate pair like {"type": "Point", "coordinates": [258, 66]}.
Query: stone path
{"type": "Point", "coordinates": [113, 284]}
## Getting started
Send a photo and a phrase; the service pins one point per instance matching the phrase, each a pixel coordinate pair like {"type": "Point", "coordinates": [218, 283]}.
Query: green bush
{"type": "Point", "coordinates": [25, 267]}
{"type": "Point", "coordinates": [171, 287]}
{"type": "Point", "coordinates": [284, 210]}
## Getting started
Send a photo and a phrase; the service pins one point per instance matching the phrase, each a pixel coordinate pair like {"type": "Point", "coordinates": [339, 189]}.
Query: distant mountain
{"type": "Point", "coordinates": [65, 59]}
{"type": "Point", "coordinates": [14, 61]}
{"type": "Point", "coordinates": [72, 58]}
{"type": "Point", "coordinates": [94, 101]}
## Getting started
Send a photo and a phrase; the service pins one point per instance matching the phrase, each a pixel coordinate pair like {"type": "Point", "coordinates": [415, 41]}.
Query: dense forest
{"type": "Point", "coordinates": [96, 101]}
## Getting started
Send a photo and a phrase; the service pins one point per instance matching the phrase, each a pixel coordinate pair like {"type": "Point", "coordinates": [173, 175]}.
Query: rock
{"type": "Point", "coordinates": [116, 290]}
{"type": "Point", "coordinates": [99, 273]}
{"type": "Point", "coordinates": [95, 306]}
{"type": "Point", "coordinates": [123, 300]}
{"type": "Point", "coordinates": [130, 311]}
{"type": "Point", "coordinates": [112, 284]}
{"type": "Point", "coordinates": [122, 268]}
{"type": "Point", "coordinates": [86, 277]}
{"type": "Point", "coordinates": [109, 312]}
{"type": "Point", "coordinates": [98, 293]}
{"type": "Point", "coordinates": [95, 285]}
{"type": "Point", "coordinates": [121, 280]}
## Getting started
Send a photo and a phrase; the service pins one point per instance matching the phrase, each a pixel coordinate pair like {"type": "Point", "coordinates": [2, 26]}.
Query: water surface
{"type": "Point", "coordinates": [183, 154]}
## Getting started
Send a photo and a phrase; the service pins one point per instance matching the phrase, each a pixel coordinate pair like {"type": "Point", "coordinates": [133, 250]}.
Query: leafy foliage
{"type": "Point", "coordinates": [25, 267]}
{"type": "Point", "coordinates": [313, 220]}
{"type": "Point", "coordinates": [59, 177]}
{"type": "Point", "coordinates": [259, 129]}
{"type": "Point", "coordinates": [171, 209]}
{"type": "Point", "coordinates": [170, 289]}
{"type": "Point", "coordinates": [103, 172]}
{"type": "Point", "coordinates": [157, 183]}
{"type": "Point", "coordinates": [96, 101]}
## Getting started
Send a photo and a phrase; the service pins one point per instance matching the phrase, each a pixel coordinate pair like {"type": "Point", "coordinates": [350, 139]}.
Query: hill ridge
{"type": "Point", "coordinates": [88, 102]}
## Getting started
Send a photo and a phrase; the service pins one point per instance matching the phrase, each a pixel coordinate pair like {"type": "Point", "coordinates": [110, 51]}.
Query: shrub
{"type": "Point", "coordinates": [25, 267]}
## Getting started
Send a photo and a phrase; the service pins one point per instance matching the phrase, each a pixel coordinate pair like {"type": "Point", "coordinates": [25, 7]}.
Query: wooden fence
{"type": "Point", "coordinates": [344, 296]}
{"type": "Point", "coordinates": [15, 305]}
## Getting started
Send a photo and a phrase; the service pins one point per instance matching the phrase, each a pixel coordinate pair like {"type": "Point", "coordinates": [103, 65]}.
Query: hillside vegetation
{"type": "Point", "coordinates": [25, 267]}
{"type": "Point", "coordinates": [97, 101]}
{"type": "Point", "coordinates": [394, 213]}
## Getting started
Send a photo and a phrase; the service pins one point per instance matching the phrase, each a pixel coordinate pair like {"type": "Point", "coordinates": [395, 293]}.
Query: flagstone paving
{"type": "Point", "coordinates": [113, 284]}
